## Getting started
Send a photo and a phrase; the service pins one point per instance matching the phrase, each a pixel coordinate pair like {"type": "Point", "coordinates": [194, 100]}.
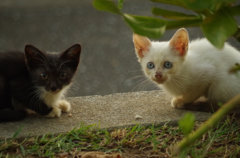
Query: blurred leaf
{"type": "Point", "coordinates": [235, 68]}
{"type": "Point", "coordinates": [183, 23]}
{"type": "Point", "coordinates": [186, 123]}
{"type": "Point", "coordinates": [120, 4]}
{"type": "Point", "coordinates": [198, 5]}
{"type": "Point", "coordinates": [146, 26]}
{"type": "Point", "coordinates": [106, 5]}
{"type": "Point", "coordinates": [219, 27]}
{"type": "Point", "coordinates": [235, 10]}
{"type": "Point", "coordinates": [237, 34]}
{"type": "Point", "coordinates": [146, 21]}
{"type": "Point", "coordinates": [171, 2]}
{"type": "Point", "coordinates": [227, 2]}
{"type": "Point", "coordinates": [214, 5]}
{"type": "Point", "coordinates": [171, 14]}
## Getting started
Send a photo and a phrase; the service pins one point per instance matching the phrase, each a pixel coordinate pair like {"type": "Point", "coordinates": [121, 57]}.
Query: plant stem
{"type": "Point", "coordinates": [210, 123]}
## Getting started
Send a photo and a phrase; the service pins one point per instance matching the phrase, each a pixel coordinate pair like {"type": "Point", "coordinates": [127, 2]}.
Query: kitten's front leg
{"type": "Point", "coordinates": [61, 105]}
{"type": "Point", "coordinates": [56, 112]}
{"type": "Point", "coordinates": [179, 101]}
{"type": "Point", "coordinates": [41, 108]}
{"type": "Point", "coordinates": [64, 105]}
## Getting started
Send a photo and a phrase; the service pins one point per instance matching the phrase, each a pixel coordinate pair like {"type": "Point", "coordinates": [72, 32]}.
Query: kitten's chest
{"type": "Point", "coordinates": [175, 88]}
{"type": "Point", "coordinates": [49, 98]}
{"type": "Point", "coordinates": [191, 79]}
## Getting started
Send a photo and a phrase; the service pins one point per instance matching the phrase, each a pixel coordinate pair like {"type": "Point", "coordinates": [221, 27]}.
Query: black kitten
{"type": "Point", "coordinates": [36, 81]}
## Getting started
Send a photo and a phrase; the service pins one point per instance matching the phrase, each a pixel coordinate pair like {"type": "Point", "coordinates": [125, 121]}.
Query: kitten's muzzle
{"type": "Point", "coordinates": [158, 75]}
{"type": "Point", "coordinates": [53, 88]}
{"type": "Point", "coordinates": [159, 78]}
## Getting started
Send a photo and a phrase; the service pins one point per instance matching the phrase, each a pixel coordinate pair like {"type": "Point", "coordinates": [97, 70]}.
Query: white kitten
{"type": "Point", "coordinates": [189, 70]}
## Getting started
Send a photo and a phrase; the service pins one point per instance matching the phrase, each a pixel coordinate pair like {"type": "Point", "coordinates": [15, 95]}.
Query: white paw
{"type": "Point", "coordinates": [56, 112]}
{"type": "Point", "coordinates": [64, 105]}
{"type": "Point", "coordinates": [177, 103]}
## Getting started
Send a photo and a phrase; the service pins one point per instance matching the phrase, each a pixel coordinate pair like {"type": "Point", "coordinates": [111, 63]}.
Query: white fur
{"type": "Point", "coordinates": [56, 101]}
{"type": "Point", "coordinates": [204, 71]}
{"type": "Point", "coordinates": [56, 112]}
{"type": "Point", "coordinates": [64, 105]}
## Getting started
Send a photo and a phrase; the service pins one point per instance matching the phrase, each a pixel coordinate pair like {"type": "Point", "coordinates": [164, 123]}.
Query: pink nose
{"type": "Point", "coordinates": [158, 75]}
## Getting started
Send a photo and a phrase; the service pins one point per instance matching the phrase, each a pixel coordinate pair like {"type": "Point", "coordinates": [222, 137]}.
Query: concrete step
{"type": "Point", "coordinates": [109, 111]}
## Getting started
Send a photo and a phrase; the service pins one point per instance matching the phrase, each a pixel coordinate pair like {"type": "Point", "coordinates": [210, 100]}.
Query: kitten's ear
{"type": "Point", "coordinates": [141, 45]}
{"type": "Point", "coordinates": [179, 41]}
{"type": "Point", "coordinates": [72, 55]}
{"type": "Point", "coordinates": [33, 56]}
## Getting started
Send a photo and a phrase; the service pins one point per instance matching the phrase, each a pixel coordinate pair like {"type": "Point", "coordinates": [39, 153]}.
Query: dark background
{"type": "Point", "coordinates": [108, 62]}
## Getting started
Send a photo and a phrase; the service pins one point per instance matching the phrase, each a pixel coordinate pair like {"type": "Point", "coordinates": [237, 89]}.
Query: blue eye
{"type": "Point", "coordinates": [150, 65]}
{"type": "Point", "coordinates": [167, 65]}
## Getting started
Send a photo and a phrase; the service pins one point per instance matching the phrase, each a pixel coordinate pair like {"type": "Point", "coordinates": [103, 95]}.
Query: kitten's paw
{"type": "Point", "coordinates": [56, 112]}
{"type": "Point", "coordinates": [64, 105]}
{"type": "Point", "coordinates": [177, 103]}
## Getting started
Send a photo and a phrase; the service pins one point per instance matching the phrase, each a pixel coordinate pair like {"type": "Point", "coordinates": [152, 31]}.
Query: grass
{"type": "Point", "coordinates": [136, 141]}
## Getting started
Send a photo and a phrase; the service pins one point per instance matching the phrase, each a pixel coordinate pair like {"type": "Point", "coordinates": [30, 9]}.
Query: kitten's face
{"type": "Point", "coordinates": [52, 71]}
{"type": "Point", "coordinates": [160, 61]}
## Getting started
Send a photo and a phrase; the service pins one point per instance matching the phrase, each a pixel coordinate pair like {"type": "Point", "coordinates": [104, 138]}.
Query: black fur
{"type": "Point", "coordinates": [21, 75]}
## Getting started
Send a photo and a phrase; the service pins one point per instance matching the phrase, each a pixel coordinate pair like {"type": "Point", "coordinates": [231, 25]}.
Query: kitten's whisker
{"type": "Point", "coordinates": [138, 85]}
{"type": "Point", "coordinates": [135, 71]}
{"type": "Point", "coordinates": [142, 85]}
{"type": "Point", "coordinates": [136, 77]}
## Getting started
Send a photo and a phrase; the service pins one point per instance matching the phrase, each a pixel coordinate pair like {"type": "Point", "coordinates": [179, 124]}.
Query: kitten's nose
{"type": "Point", "coordinates": [53, 88]}
{"type": "Point", "coordinates": [158, 75]}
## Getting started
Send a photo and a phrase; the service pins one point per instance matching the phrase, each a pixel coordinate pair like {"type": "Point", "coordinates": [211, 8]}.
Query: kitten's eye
{"type": "Point", "coordinates": [63, 75]}
{"type": "Point", "coordinates": [44, 76]}
{"type": "Point", "coordinates": [150, 65]}
{"type": "Point", "coordinates": [167, 64]}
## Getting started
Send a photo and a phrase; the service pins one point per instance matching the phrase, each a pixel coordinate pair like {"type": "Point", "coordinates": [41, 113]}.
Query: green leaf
{"type": "Point", "coordinates": [106, 5]}
{"type": "Point", "coordinates": [237, 34]}
{"type": "Point", "coordinates": [235, 68]}
{"type": "Point", "coordinates": [201, 5]}
{"type": "Point", "coordinates": [120, 4]}
{"type": "Point", "coordinates": [198, 5]}
{"type": "Point", "coordinates": [146, 26]}
{"type": "Point", "coordinates": [235, 10]}
{"type": "Point", "coordinates": [186, 123]}
{"type": "Point", "coordinates": [171, 2]}
{"type": "Point", "coordinates": [171, 14]}
{"type": "Point", "coordinates": [146, 21]}
{"type": "Point", "coordinates": [184, 23]}
{"type": "Point", "coordinates": [219, 27]}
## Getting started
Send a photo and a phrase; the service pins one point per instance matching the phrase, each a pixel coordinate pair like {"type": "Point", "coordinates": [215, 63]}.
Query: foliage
{"type": "Point", "coordinates": [186, 124]}
{"type": "Point", "coordinates": [209, 124]}
{"type": "Point", "coordinates": [214, 17]}
{"type": "Point", "coordinates": [135, 141]}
